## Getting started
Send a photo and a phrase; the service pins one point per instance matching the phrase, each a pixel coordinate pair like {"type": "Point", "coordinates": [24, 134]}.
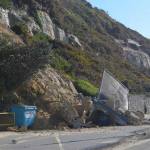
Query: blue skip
{"type": "Point", "coordinates": [24, 115]}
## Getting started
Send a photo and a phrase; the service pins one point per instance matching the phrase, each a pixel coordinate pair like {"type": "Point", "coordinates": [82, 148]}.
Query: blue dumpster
{"type": "Point", "coordinates": [24, 115]}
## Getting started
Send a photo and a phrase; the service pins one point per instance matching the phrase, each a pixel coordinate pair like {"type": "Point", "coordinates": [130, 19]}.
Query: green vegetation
{"type": "Point", "coordinates": [6, 4]}
{"type": "Point", "coordinates": [20, 29]}
{"type": "Point", "coordinates": [59, 62]}
{"type": "Point", "coordinates": [77, 65]}
{"type": "Point", "coordinates": [80, 57]}
{"type": "Point", "coordinates": [86, 88]}
{"type": "Point", "coordinates": [18, 63]}
{"type": "Point", "coordinates": [39, 37]}
{"type": "Point", "coordinates": [96, 31]}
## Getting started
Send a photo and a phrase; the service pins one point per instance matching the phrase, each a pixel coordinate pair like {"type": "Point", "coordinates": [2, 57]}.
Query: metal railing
{"type": "Point", "coordinates": [7, 119]}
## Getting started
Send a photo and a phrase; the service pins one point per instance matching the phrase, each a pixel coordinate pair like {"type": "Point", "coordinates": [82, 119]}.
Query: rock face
{"type": "Point", "coordinates": [60, 34]}
{"type": "Point", "coordinates": [49, 85]}
{"type": "Point", "coordinates": [133, 54]}
{"type": "Point", "coordinates": [74, 40]}
{"type": "Point", "coordinates": [12, 18]}
{"type": "Point", "coordinates": [21, 17]}
{"type": "Point", "coordinates": [133, 44]}
{"type": "Point", "coordinates": [47, 24]}
{"type": "Point", "coordinates": [33, 27]}
{"type": "Point", "coordinates": [137, 58]}
{"type": "Point", "coordinates": [55, 32]}
{"type": "Point", "coordinates": [4, 17]}
{"type": "Point", "coordinates": [66, 38]}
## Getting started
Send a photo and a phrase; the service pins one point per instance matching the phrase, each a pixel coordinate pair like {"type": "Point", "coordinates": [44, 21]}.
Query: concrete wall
{"type": "Point", "coordinates": [139, 103]}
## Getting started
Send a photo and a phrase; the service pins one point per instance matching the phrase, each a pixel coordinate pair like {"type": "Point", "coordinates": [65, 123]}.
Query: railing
{"type": "Point", "coordinates": [7, 119]}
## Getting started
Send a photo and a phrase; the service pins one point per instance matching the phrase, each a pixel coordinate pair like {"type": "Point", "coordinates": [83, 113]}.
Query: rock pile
{"type": "Point", "coordinates": [55, 96]}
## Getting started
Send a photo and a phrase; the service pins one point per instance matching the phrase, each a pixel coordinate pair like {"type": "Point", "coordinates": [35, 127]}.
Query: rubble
{"type": "Point", "coordinates": [114, 92]}
{"type": "Point", "coordinates": [112, 107]}
{"type": "Point", "coordinates": [81, 111]}
{"type": "Point", "coordinates": [42, 120]}
{"type": "Point", "coordinates": [132, 118]}
{"type": "Point", "coordinates": [70, 115]}
{"type": "Point", "coordinates": [113, 117]}
{"type": "Point", "coordinates": [85, 112]}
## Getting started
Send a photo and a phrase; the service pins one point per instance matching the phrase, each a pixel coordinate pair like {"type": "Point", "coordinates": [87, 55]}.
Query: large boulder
{"type": "Point", "coordinates": [53, 94]}
{"type": "Point", "coordinates": [47, 24]}
{"type": "Point", "coordinates": [60, 34]}
{"type": "Point", "coordinates": [134, 118]}
{"type": "Point", "coordinates": [42, 120]}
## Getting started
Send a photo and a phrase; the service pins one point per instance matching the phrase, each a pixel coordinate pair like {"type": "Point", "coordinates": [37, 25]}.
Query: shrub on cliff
{"type": "Point", "coordinates": [6, 4]}
{"type": "Point", "coordinates": [86, 88]}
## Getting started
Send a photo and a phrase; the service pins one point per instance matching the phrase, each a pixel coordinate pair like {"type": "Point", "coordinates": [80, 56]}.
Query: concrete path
{"type": "Point", "coordinates": [86, 139]}
{"type": "Point", "coordinates": [142, 145]}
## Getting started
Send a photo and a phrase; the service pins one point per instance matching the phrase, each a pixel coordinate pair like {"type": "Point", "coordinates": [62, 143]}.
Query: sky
{"type": "Point", "coordinates": [132, 13]}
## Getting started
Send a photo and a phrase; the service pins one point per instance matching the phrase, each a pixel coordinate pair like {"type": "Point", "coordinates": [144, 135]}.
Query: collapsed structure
{"type": "Point", "coordinates": [114, 92]}
{"type": "Point", "coordinates": [112, 105]}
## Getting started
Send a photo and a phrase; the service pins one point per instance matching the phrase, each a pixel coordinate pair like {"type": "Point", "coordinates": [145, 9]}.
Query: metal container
{"type": "Point", "coordinates": [24, 115]}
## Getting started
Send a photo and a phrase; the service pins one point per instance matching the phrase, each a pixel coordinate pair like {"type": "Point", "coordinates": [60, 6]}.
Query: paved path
{"type": "Point", "coordinates": [143, 145]}
{"type": "Point", "coordinates": [86, 139]}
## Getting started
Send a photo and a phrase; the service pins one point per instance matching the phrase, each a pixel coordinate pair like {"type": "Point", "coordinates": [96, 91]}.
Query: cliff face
{"type": "Point", "coordinates": [60, 44]}
{"type": "Point", "coordinates": [17, 19]}
{"type": "Point", "coordinates": [91, 31]}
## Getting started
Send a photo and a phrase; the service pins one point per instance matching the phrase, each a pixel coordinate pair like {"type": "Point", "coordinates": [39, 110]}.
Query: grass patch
{"type": "Point", "coordinates": [80, 57]}
{"type": "Point", "coordinates": [59, 62]}
{"type": "Point", "coordinates": [39, 37]}
{"type": "Point", "coordinates": [86, 87]}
